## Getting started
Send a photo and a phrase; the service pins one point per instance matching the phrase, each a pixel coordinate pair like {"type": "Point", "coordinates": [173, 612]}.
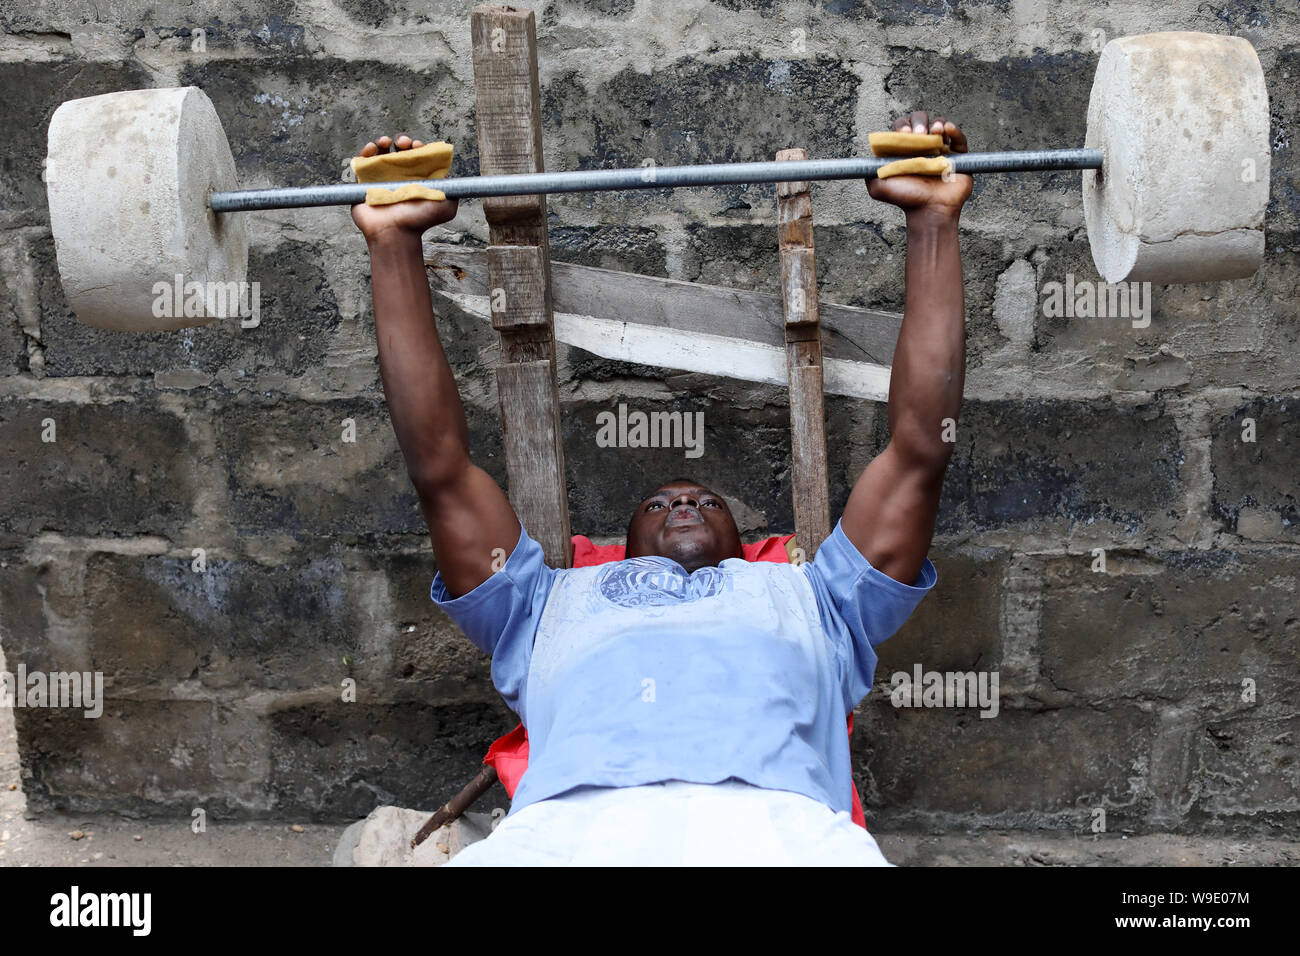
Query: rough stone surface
{"type": "Point", "coordinates": [1254, 462]}
{"type": "Point", "coordinates": [1119, 691]}
{"type": "Point", "coordinates": [957, 627]}
{"type": "Point", "coordinates": [110, 469]}
{"type": "Point", "coordinates": [284, 125]}
{"type": "Point", "coordinates": [323, 468]}
{"type": "Point", "coordinates": [1215, 618]}
{"type": "Point", "coordinates": [336, 761]}
{"type": "Point", "coordinates": [1051, 465]}
{"type": "Point", "coordinates": [299, 330]}
{"type": "Point", "coordinates": [384, 838]}
{"type": "Point", "coordinates": [1002, 775]}
{"type": "Point", "coordinates": [30, 92]}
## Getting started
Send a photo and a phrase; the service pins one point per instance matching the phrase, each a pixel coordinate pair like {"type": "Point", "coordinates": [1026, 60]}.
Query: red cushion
{"type": "Point", "coordinates": [586, 554]}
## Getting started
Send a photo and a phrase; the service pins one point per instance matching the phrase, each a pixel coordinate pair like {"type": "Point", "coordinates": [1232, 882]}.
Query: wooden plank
{"type": "Point", "coordinates": [799, 291]}
{"type": "Point", "coordinates": [508, 114]}
{"type": "Point", "coordinates": [507, 101]}
{"type": "Point", "coordinates": [849, 333]}
{"type": "Point", "coordinates": [811, 488]}
{"type": "Point", "coordinates": [716, 355]}
{"type": "Point", "coordinates": [533, 445]}
{"type": "Point", "coordinates": [808, 468]}
{"type": "Point", "coordinates": [518, 294]}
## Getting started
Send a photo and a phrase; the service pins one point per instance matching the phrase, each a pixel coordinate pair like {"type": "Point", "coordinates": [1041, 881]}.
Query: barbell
{"type": "Point", "coordinates": [1175, 182]}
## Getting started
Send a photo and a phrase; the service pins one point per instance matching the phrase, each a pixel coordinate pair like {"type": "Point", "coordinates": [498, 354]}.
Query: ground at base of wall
{"type": "Point", "coordinates": [1036, 848]}
{"type": "Point", "coordinates": [110, 841]}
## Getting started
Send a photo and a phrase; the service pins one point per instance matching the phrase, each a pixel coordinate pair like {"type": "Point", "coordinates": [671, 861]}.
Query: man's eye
{"type": "Point", "coordinates": [653, 505]}
{"type": "Point", "coordinates": [714, 503]}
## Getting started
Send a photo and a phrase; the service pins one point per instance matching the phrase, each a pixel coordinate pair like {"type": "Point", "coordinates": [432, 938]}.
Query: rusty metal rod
{"type": "Point", "coordinates": [457, 805]}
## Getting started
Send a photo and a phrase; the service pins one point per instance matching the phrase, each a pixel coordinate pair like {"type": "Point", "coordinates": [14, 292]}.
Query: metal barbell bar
{"type": "Point", "coordinates": [649, 177]}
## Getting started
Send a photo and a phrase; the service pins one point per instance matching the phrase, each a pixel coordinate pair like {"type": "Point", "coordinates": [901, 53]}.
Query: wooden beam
{"type": "Point", "coordinates": [531, 440]}
{"type": "Point", "coordinates": [509, 118]}
{"type": "Point", "coordinates": [849, 333]}
{"type": "Point", "coordinates": [809, 480]}
{"type": "Point", "coordinates": [717, 355]}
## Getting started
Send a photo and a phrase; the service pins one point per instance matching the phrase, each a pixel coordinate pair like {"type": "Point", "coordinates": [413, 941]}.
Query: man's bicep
{"type": "Point", "coordinates": [861, 606]}
{"type": "Point", "coordinates": [500, 616]}
{"type": "Point", "coordinates": [473, 529]}
{"type": "Point", "coordinates": [891, 512]}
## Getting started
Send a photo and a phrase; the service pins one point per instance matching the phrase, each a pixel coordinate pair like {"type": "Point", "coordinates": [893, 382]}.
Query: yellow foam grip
{"type": "Point", "coordinates": [896, 143]}
{"type": "Point", "coordinates": [431, 161]}
{"type": "Point", "coordinates": [382, 196]}
{"type": "Point", "coordinates": [916, 165]}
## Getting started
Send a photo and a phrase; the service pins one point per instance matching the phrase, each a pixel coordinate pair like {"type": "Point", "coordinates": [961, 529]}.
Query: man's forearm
{"type": "Point", "coordinates": [929, 366]}
{"type": "Point", "coordinates": [423, 401]}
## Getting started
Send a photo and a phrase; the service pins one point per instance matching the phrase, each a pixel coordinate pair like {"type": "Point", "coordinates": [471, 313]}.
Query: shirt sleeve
{"type": "Point", "coordinates": [860, 607]}
{"type": "Point", "coordinates": [501, 615]}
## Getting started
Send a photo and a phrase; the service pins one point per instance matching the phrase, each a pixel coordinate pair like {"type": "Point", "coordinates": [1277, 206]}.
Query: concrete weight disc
{"type": "Point", "coordinates": [128, 177]}
{"type": "Point", "coordinates": [1182, 122]}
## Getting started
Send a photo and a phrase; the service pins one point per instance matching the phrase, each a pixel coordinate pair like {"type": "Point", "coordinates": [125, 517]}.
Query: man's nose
{"type": "Point", "coordinates": [687, 499]}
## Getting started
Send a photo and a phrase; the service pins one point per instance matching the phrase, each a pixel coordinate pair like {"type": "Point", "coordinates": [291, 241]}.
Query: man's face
{"type": "Point", "coordinates": [685, 522]}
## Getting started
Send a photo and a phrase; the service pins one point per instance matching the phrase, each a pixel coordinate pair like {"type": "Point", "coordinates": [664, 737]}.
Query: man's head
{"type": "Point", "coordinates": [684, 521]}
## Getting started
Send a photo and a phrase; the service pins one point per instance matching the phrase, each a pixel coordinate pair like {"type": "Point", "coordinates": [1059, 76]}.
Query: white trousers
{"type": "Point", "coordinates": [676, 824]}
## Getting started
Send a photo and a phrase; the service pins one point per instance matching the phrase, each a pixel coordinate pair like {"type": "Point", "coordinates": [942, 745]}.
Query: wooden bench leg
{"type": "Point", "coordinates": [812, 520]}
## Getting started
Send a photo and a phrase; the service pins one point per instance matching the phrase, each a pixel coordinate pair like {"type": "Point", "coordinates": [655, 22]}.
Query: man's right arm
{"type": "Point", "coordinates": [468, 515]}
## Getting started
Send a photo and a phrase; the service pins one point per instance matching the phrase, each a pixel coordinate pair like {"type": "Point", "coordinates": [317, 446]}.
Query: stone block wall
{"type": "Point", "coordinates": [1120, 690]}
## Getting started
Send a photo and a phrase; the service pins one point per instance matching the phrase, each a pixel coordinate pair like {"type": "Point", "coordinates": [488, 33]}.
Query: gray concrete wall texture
{"type": "Point", "coordinates": [1162, 690]}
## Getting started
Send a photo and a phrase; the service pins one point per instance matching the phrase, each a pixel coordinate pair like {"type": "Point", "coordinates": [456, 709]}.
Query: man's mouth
{"type": "Point", "coordinates": [683, 516]}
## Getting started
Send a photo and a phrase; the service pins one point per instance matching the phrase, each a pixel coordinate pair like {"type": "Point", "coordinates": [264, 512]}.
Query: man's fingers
{"type": "Point", "coordinates": [383, 144]}
{"type": "Point", "coordinates": [919, 121]}
{"type": "Point", "coordinates": [953, 137]}
{"type": "Point", "coordinates": [937, 128]}
{"type": "Point", "coordinates": [956, 138]}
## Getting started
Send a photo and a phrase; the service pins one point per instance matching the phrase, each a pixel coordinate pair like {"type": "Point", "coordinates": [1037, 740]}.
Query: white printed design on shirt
{"type": "Point", "coordinates": [645, 582]}
{"type": "Point", "coordinates": [579, 620]}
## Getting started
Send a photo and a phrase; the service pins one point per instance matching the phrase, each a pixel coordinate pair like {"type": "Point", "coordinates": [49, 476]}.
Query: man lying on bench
{"type": "Point", "coordinates": [683, 705]}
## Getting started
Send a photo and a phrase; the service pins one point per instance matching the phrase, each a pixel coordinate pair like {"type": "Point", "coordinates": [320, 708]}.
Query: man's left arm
{"type": "Point", "coordinates": [891, 512]}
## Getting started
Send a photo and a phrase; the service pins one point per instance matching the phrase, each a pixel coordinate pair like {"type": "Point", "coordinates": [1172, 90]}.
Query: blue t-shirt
{"type": "Point", "coordinates": [635, 672]}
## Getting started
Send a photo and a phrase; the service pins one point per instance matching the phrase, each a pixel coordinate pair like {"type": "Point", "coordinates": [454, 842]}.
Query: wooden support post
{"type": "Point", "coordinates": [508, 106]}
{"type": "Point", "coordinates": [812, 520]}
{"type": "Point", "coordinates": [509, 109]}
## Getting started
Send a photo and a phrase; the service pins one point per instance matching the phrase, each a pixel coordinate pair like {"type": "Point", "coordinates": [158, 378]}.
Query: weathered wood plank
{"type": "Point", "coordinates": [717, 355]}
{"type": "Point", "coordinates": [808, 467]}
{"type": "Point", "coordinates": [534, 451]}
{"type": "Point", "coordinates": [849, 333]}
{"type": "Point", "coordinates": [508, 108]}
{"type": "Point", "coordinates": [809, 477]}
{"type": "Point", "coordinates": [508, 116]}
{"type": "Point", "coordinates": [799, 290]}
{"type": "Point", "coordinates": [519, 297]}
